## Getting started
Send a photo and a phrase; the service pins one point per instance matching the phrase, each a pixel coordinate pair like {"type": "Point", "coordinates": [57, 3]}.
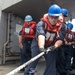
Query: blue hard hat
{"type": "Point", "coordinates": [28, 18]}
{"type": "Point", "coordinates": [64, 12]}
{"type": "Point", "coordinates": [70, 25]}
{"type": "Point", "coordinates": [54, 10]}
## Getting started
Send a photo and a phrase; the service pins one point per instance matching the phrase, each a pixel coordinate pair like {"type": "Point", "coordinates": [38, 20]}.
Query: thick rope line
{"type": "Point", "coordinates": [28, 62]}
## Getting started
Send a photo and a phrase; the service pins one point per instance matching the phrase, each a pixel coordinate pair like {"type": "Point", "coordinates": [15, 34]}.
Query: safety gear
{"type": "Point", "coordinates": [74, 33]}
{"type": "Point", "coordinates": [54, 10]}
{"type": "Point", "coordinates": [28, 31]}
{"type": "Point", "coordinates": [69, 36]}
{"type": "Point", "coordinates": [51, 31]}
{"type": "Point", "coordinates": [28, 18]}
{"type": "Point", "coordinates": [43, 50]}
{"type": "Point", "coordinates": [64, 12]}
{"type": "Point", "coordinates": [70, 25]}
{"type": "Point", "coordinates": [52, 48]}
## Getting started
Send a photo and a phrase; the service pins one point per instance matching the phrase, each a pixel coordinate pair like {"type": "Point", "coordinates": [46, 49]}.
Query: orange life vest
{"type": "Point", "coordinates": [52, 32]}
{"type": "Point", "coordinates": [28, 30]}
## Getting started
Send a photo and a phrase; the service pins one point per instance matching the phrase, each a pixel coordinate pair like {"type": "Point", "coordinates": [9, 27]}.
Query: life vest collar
{"type": "Point", "coordinates": [54, 28]}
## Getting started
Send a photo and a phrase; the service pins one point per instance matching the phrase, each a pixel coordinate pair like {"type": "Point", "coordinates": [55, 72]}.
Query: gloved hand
{"type": "Point", "coordinates": [52, 48]}
{"type": "Point", "coordinates": [43, 50]}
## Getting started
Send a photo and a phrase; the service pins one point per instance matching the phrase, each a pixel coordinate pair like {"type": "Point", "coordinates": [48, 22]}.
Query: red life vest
{"type": "Point", "coordinates": [74, 33]}
{"type": "Point", "coordinates": [73, 36]}
{"type": "Point", "coordinates": [69, 35]}
{"type": "Point", "coordinates": [28, 30]}
{"type": "Point", "coordinates": [51, 31]}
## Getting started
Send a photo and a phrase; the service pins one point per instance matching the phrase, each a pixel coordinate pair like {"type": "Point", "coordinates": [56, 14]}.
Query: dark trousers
{"type": "Point", "coordinates": [69, 55]}
{"type": "Point", "coordinates": [26, 52]}
{"type": "Point", "coordinates": [73, 64]}
{"type": "Point", "coordinates": [60, 64]}
{"type": "Point", "coordinates": [50, 62]}
{"type": "Point", "coordinates": [74, 56]}
{"type": "Point", "coordinates": [64, 56]}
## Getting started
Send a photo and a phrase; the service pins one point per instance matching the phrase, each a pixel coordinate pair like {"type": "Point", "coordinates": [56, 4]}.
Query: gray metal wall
{"type": "Point", "coordinates": [16, 21]}
{"type": "Point", "coordinates": [8, 3]}
{"type": "Point", "coordinates": [2, 28]}
{"type": "Point", "coordinates": [4, 24]}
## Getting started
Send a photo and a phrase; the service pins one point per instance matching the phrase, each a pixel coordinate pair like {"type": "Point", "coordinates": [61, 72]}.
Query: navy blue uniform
{"type": "Point", "coordinates": [50, 57]}
{"type": "Point", "coordinates": [26, 50]}
{"type": "Point", "coordinates": [73, 65]}
{"type": "Point", "coordinates": [65, 53]}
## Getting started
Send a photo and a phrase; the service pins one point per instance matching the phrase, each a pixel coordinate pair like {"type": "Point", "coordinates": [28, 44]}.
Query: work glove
{"type": "Point", "coordinates": [43, 50]}
{"type": "Point", "coordinates": [52, 48]}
